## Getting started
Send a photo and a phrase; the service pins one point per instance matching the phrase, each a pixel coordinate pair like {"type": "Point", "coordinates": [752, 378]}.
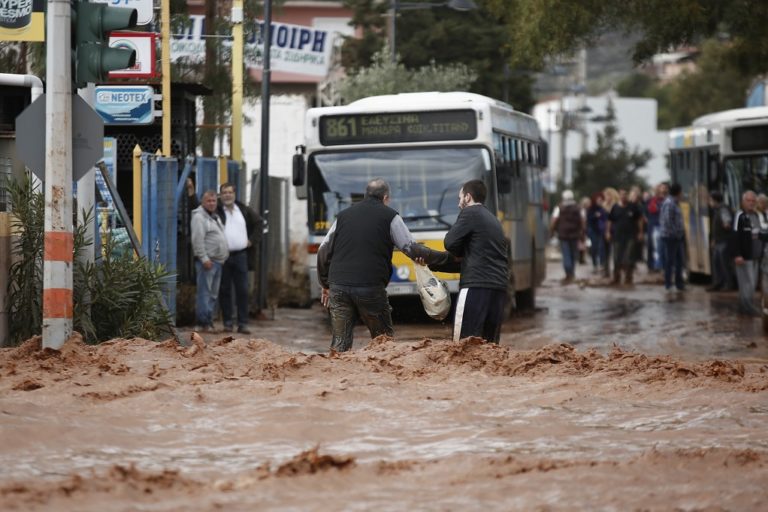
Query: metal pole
{"type": "Point", "coordinates": [393, 31]}
{"type": "Point", "coordinates": [58, 239]}
{"type": "Point", "coordinates": [165, 22]}
{"type": "Point", "coordinates": [236, 149]}
{"type": "Point", "coordinates": [563, 142]}
{"type": "Point", "coordinates": [264, 170]}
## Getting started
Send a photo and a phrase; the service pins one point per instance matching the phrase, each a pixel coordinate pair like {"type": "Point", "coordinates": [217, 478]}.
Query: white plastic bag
{"type": "Point", "coordinates": [433, 292]}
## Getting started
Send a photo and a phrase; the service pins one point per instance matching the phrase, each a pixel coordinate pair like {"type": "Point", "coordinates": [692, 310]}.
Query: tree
{"type": "Point", "coordinates": [612, 164]}
{"type": "Point", "coordinates": [443, 37]}
{"type": "Point", "coordinates": [540, 29]}
{"type": "Point", "coordinates": [718, 83]}
{"type": "Point", "coordinates": [215, 70]}
{"type": "Point", "coordinates": [387, 77]}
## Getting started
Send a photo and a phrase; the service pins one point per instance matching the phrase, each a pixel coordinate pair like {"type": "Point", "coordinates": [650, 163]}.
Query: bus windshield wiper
{"type": "Point", "coordinates": [438, 217]}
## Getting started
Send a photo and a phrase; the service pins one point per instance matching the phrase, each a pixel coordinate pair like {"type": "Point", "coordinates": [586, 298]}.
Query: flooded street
{"type": "Point", "coordinates": [604, 398]}
{"type": "Point", "coordinates": [588, 314]}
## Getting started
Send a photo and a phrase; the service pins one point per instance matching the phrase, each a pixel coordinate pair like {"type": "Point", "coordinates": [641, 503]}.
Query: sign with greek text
{"type": "Point", "coordinates": [295, 48]}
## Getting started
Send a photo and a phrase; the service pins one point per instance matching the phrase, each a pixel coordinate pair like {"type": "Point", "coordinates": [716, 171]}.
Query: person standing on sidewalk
{"type": "Point", "coordinates": [209, 245]}
{"type": "Point", "coordinates": [746, 247]}
{"type": "Point", "coordinates": [673, 237]}
{"type": "Point", "coordinates": [624, 232]}
{"type": "Point", "coordinates": [722, 230]}
{"type": "Point", "coordinates": [242, 227]}
{"type": "Point", "coordinates": [569, 225]}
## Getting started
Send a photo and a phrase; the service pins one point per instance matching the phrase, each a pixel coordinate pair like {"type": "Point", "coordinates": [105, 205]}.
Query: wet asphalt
{"type": "Point", "coordinates": [589, 314]}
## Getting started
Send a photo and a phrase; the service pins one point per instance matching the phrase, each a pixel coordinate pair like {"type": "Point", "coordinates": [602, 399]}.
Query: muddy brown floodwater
{"type": "Point", "coordinates": [609, 399]}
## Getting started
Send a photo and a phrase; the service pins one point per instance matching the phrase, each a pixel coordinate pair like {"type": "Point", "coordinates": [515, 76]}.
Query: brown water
{"type": "Point", "coordinates": [241, 424]}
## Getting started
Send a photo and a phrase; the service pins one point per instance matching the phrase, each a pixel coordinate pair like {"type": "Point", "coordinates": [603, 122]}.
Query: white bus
{"type": "Point", "coordinates": [724, 151]}
{"type": "Point", "coordinates": [426, 145]}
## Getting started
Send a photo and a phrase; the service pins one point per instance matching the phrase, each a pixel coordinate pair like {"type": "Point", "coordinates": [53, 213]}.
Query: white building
{"type": "Point", "coordinates": [636, 120]}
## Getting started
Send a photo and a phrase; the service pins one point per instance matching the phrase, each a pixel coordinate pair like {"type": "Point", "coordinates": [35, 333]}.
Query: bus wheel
{"type": "Point", "coordinates": [511, 296]}
{"type": "Point", "coordinates": [526, 299]}
{"type": "Point", "coordinates": [764, 307]}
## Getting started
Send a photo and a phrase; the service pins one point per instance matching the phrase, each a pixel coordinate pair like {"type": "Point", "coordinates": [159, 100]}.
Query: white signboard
{"type": "Point", "coordinates": [295, 48]}
{"type": "Point", "coordinates": [143, 8]}
{"type": "Point", "coordinates": [125, 104]}
{"type": "Point", "coordinates": [144, 45]}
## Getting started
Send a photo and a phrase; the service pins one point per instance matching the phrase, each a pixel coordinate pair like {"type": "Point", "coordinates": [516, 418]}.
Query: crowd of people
{"type": "Point", "coordinates": [617, 229]}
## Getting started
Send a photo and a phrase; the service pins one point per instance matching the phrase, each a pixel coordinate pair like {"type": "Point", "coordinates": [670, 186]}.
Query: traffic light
{"type": "Point", "coordinates": [93, 58]}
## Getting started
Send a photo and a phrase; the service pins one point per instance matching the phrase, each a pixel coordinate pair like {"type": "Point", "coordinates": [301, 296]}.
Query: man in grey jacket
{"type": "Point", "coordinates": [209, 245]}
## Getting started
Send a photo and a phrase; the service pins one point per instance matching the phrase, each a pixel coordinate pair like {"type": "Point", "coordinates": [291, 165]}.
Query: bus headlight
{"type": "Point", "coordinates": [403, 272]}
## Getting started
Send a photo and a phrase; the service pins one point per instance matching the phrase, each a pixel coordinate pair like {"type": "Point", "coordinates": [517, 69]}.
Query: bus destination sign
{"type": "Point", "coordinates": [385, 128]}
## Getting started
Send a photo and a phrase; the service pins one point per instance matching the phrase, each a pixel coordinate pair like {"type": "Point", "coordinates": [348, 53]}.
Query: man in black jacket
{"type": "Point", "coordinates": [354, 264]}
{"type": "Point", "coordinates": [746, 251]}
{"type": "Point", "coordinates": [242, 227]}
{"type": "Point", "coordinates": [478, 240]}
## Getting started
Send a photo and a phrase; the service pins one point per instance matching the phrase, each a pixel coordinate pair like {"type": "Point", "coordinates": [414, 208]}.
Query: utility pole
{"type": "Point", "coordinates": [165, 28]}
{"type": "Point", "coordinates": [266, 76]}
{"type": "Point", "coordinates": [58, 238]}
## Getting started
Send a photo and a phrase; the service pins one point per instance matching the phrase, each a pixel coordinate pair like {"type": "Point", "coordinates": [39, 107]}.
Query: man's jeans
{"type": "Point", "coordinates": [597, 248]}
{"type": "Point", "coordinates": [234, 275]}
{"type": "Point", "coordinates": [207, 292]}
{"type": "Point", "coordinates": [369, 302]}
{"type": "Point", "coordinates": [673, 258]}
{"type": "Point", "coordinates": [722, 267]}
{"type": "Point", "coordinates": [570, 250]}
{"type": "Point", "coordinates": [746, 275]}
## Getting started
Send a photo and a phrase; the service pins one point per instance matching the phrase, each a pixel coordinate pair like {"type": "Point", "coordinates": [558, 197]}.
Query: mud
{"type": "Point", "coordinates": [230, 423]}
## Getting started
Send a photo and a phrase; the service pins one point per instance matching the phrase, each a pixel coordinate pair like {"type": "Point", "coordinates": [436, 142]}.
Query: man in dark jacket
{"type": "Point", "coordinates": [722, 230]}
{"type": "Point", "coordinates": [242, 227]}
{"type": "Point", "coordinates": [746, 251]}
{"type": "Point", "coordinates": [478, 239]}
{"type": "Point", "coordinates": [354, 264]}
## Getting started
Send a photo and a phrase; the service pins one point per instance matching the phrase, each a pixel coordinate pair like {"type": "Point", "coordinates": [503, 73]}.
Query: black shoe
{"type": "Point", "coordinates": [243, 330]}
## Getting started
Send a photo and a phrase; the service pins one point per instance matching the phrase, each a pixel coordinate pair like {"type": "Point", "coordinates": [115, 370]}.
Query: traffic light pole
{"type": "Point", "coordinates": [58, 237]}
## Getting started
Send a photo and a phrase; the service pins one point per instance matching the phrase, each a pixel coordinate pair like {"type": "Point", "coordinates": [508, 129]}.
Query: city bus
{"type": "Point", "coordinates": [426, 145]}
{"type": "Point", "coordinates": [724, 151]}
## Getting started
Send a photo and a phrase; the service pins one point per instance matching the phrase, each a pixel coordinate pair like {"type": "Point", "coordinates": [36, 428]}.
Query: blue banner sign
{"type": "Point", "coordinates": [125, 104]}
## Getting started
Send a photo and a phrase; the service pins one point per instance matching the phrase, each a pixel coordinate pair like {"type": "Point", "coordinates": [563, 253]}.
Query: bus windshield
{"type": "Point", "coordinates": [745, 173]}
{"type": "Point", "coordinates": [424, 183]}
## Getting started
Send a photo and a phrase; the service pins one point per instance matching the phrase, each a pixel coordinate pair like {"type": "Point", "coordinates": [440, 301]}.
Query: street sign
{"type": "Point", "coordinates": [125, 104]}
{"type": "Point", "coordinates": [87, 137]}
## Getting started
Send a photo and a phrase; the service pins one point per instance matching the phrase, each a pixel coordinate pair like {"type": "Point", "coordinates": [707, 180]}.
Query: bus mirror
{"type": "Point", "coordinates": [504, 179]}
{"type": "Point", "coordinates": [298, 170]}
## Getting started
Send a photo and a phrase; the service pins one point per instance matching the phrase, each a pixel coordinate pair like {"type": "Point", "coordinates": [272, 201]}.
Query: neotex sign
{"type": "Point", "coordinates": [126, 104]}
